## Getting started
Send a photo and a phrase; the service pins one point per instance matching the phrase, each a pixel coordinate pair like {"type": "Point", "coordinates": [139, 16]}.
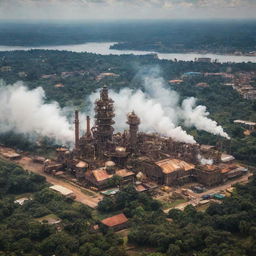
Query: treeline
{"type": "Point", "coordinates": [21, 233]}
{"type": "Point", "coordinates": [130, 202]}
{"type": "Point", "coordinates": [163, 36]}
{"type": "Point", "coordinates": [31, 66]}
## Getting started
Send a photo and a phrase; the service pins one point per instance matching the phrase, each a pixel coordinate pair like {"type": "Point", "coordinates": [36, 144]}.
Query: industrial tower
{"type": "Point", "coordinates": [133, 121]}
{"type": "Point", "coordinates": [103, 130]}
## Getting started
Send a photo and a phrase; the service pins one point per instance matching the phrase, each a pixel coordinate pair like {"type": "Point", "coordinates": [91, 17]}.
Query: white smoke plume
{"type": "Point", "coordinates": [160, 109]}
{"type": "Point", "coordinates": [204, 161]}
{"type": "Point", "coordinates": [197, 116]}
{"type": "Point", "coordinates": [25, 111]}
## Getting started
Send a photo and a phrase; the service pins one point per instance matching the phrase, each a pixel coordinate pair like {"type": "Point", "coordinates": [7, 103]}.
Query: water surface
{"type": "Point", "coordinates": [104, 49]}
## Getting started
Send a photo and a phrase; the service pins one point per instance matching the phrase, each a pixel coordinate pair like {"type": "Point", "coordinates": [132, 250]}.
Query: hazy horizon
{"type": "Point", "coordinates": [110, 10]}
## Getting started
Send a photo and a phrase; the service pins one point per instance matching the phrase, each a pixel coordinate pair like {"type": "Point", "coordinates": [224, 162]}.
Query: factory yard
{"type": "Point", "coordinates": [27, 163]}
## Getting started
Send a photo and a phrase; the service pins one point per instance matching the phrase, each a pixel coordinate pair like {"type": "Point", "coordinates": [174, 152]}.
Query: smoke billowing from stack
{"type": "Point", "coordinates": [197, 116]}
{"type": "Point", "coordinates": [160, 109]}
{"type": "Point", "coordinates": [25, 111]}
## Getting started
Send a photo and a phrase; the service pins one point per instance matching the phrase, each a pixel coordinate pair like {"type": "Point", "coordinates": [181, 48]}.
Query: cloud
{"type": "Point", "coordinates": [125, 9]}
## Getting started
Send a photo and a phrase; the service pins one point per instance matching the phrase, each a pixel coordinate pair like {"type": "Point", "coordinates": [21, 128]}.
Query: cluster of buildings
{"type": "Point", "coordinates": [101, 157]}
{"type": "Point", "coordinates": [249, 126]}
{"type": "Point", "coordinates": [242, 84]}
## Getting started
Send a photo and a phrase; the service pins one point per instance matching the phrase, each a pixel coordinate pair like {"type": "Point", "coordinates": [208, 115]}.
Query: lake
{"type": "Point", "coordinates": [104, 49]}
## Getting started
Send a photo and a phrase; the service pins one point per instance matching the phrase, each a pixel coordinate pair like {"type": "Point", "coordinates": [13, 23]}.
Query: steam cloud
{"type": "Point", "coordinates": [25, 111]}
{"type": "Point", "coordinates": [159, 108]}
{"type": "Point", "coordinates": [204, 161]}
{"type": "Point", "coordinates": [197, 116]}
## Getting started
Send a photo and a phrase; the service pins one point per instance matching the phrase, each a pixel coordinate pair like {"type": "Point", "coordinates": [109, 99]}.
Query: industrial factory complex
{"type": "Point", "coordinates": [101, 156]}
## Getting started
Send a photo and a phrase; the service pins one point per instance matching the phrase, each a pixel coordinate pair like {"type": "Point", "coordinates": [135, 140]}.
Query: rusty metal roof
{"type": "Point", "coordinates": [140, 188]}
{"type": "Point", "coordinates": [101, 174]}
{"type": "Point", "coordinates": [115, 220]}
{"type": "Point", "coordinates": [124, 173]}
{"type": "Point", "coordinates": [209, 168]}
{"type": "Point", "coordinates": [171, 165]}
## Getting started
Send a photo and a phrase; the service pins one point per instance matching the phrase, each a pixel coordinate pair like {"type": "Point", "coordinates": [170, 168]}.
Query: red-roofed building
{"type": "Point", "coordinates": [101, 177]}
{"type": "Point", "coordinates": [116, 222]}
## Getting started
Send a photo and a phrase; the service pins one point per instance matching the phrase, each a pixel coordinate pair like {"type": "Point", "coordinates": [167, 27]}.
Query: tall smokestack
{"type": "Point", "coordinates": [133, 121]}
{"type": "Point", "coordinates": [76, 129]}
{"type": "Point", "coordinates": [88, 127]}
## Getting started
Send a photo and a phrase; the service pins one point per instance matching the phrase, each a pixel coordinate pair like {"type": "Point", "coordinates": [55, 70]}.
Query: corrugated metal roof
{"type": "Point", "coordinates": [226, 157]}
{"type": "Point", "coordinates": [124, 173]}
{"type": "Point", "coordinates": [64, 191]}
{"type": "Point", "coordinates": [171, 165]}
{"type": "Point", "coordinates": [115, 220]}
{"type": "Point", "coordinates": [101, 174]}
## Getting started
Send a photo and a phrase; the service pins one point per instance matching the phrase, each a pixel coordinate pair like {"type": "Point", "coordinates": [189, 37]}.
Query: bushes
{"type": "Point", "coordinates": [130, 201]}
{"type": "Point", "coordinates": [15, 181]}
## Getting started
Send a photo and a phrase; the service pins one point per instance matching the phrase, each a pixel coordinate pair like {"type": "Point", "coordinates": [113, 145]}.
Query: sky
{"type": "Point", "coordinates": [126, 9]}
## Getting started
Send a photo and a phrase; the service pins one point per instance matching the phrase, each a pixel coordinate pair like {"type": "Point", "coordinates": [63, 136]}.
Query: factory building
{"type": "Point", "coordinates": [100, 154]}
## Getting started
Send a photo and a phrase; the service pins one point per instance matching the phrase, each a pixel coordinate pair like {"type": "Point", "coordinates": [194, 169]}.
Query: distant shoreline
{"type": "Point", "coordinates": [118, 46]}
{"type": "Point", "coordinates": [106, 48]}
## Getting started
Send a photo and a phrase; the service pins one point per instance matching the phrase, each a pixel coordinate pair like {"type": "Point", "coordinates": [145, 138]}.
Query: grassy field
{"type": "Point", "coordinates": [167, 205]}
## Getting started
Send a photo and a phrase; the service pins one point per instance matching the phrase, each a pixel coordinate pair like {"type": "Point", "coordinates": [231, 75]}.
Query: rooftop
{"type": "Point", "coordinates": [64, 191]}
{"type": "Point", "coordinates": [101, 174]}
{"type": "Point", "coordinates": [206, 147]}
{"type": "Point", "coordinates": [140, 188]}
{"type": "Point", "coordinates": [226, 158]}
{"type": "Point", "coordinates": [209, 168]}
{"type": "Point", "coordinates": [22, 200]}
{"type": "Point", "coordinates": [171, 165]}
{"type": "Point", "coordinates": [81, 164]}
{"type": "Point", "coordinates": [115, 220]}
{"type": "Point", "coordinates": [124, 173]}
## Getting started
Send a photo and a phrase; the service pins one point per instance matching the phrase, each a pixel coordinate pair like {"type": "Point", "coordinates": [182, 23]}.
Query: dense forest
{"type": "Point", "coordinates": [79, 72]}
{"type": "Point", "coordinates": [162, 36]}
